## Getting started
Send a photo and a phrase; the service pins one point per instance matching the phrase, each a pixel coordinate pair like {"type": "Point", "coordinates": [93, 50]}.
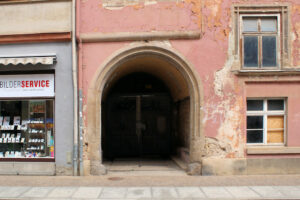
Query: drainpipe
{"type": "Point", "coordinates": [75, 90]}
{"type": "Point", "coordinates": [80, 135]}
{"type": "Point", "coordinates": [80, 95]}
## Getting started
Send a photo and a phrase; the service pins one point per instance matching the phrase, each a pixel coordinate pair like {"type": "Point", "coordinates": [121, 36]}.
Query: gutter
{"type": "Point", "coordinates": [75, 91]}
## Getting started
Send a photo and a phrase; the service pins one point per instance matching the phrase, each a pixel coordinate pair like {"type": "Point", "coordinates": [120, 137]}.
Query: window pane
{"type": "Point", "coordinates": [269, 25]}
{"type": "Point", "coordinates": [26, 129]}
{"type": "Point", "coordinates": [269, 51]}
{"type": "Point", "coordinates": [275, 104]}
{"type": "Point", "coordinates": [255, 105]}
{"type": "Point", "coordinates": [250, 51]}
{"type": "Point", "coordinates": [255, 136]}
{"type": "Point", "coordinates": [254, 122]}
{"type": "Point", "coordinates": [275, 136]}
{"type": "Point", "coordinates": [275, 122]}
{"type": "Point", "coordinates": [250, 25]}
{"type": "Point", "coordinates": [275, 129]}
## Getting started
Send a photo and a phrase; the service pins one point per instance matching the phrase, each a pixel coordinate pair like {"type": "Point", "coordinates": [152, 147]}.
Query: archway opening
{"type": "Point", "coordinates": [146, 114]}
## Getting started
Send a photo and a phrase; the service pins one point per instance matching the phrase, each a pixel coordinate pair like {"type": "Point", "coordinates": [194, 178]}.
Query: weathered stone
{"type": "Point", "coordinates": [34, 168]}
{"type": "Point", "coordinates": [267, 166]}
{"type": "Point", "coordinates": [63, 171]}
{"type": "Point", "coordinates": [194, 169]}
{"type": "Point", "coordinates": [97, 168]}
{"type": "Point", "coordinates": [216, 148]}
{"type": "Point", "coordinates": [224, 166]}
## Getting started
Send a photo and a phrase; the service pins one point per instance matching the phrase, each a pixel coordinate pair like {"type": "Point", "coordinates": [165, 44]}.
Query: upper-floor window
{"type": "Point", "coordinates": [261, 36]}
{"type": "Point", "coordinates": [260, 41]}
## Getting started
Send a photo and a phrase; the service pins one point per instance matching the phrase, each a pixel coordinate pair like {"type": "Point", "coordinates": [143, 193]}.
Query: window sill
{"type": "Point", "coordinates": [272, 150]}
{"type": "Point", "coordinates": [27, 160]}
{"type": "Point", "coordinates": [244, 72]}
{"type": "Point", "coordinates": [26, 1]}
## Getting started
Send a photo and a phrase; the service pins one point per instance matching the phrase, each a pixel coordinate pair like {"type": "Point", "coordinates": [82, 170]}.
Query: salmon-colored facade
{"type": "Point", "coordinates": [202, 40]}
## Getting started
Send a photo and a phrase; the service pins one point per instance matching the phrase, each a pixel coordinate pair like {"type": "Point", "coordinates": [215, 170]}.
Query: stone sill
{"type": "Point", "coordinates": [273, 150]}
{"type": "Point", "coordinates": [27, 1]}
{"type": "Point", "coordinates": [283, 72]}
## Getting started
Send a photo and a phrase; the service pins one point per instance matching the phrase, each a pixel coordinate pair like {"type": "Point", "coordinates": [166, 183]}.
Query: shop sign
{"type": "Point", "coordinates": [31, 85]}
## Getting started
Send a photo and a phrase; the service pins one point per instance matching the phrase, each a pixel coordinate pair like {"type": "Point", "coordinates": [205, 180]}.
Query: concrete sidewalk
{"type": "Point", "coordinates": [139, 186]}
{"type": "Point", "coordinates": [162, 193]}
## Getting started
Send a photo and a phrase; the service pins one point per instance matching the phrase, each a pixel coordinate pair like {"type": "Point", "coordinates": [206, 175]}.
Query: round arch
{"type": "Point", "coordinates": [105, 73]}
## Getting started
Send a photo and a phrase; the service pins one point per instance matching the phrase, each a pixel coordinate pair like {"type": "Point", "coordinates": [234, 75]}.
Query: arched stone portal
{"type": "Point", "coordinates": [158, 60]}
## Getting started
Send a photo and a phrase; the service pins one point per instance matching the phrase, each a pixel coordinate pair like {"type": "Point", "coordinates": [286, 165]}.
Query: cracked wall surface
{"type": "Point", "coordinates": [212, 56]}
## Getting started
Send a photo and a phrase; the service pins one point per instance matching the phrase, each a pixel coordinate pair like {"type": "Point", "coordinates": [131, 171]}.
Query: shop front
{"type": "Point", "coordinates": [26, 116]}
{"type": "Point", "coordinates": [31, 102]}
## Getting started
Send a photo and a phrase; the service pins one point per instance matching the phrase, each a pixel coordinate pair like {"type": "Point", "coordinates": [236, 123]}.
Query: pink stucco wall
{"type": "Point", "coordinates": [224, 115]}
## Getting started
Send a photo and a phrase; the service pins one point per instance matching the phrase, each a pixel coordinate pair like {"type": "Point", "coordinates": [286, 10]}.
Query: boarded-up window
{"type": "Point", "coordinates": [265, 121]}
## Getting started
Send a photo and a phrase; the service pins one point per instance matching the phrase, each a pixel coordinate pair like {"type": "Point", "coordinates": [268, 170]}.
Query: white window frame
{"type": "Point", "coordinates": [278, 45]}
{"type": "Point", "coordinates": [265, 113]}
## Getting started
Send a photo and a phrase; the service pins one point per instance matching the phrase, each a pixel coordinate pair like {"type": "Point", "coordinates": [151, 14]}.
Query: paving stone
{"type": "Point", "coordinates": [216, 192]}
{"type": "Point", "coordinates": [87, 193]}
{"type": "Point", "coordinates": [138, 192]}
{"type": "Point", "coordinates": [164, 192]}
{"type": "Point", "coordinates": [242, 192]}
{"type": "Point", "coordinates": [11, 192]}
{"type": "Point", "coordinates": [53, 199]}
{"type": "Point", "coordinates": [37, 192]}
{"type": "Point", "coordinates": [289, 191]}
{"type": "Point", "coordinates": [113, 192]}
{"type": "Point", "coordinates": [122, 199]}
{"type": "Point", "coordinates": [62, 192]}
{"type": "Point", "coordinates": [190, 192]}
{"type": "Point", "coordinates": [285, 187]}
{"type": "Point", "coordinates": [267, 192]}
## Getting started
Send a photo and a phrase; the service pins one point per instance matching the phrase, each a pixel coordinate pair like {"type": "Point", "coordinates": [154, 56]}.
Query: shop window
{"type": "Point", "coordinates": [266, 121]}
{"type": "Point", "coordinates": [261, 36]}
{"type": "Point", "coordinates": [27, 129]}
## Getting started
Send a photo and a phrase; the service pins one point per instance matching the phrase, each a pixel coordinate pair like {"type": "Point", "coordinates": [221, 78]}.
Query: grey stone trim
{"type": "Point", "coordinates": [139, 36]}
{"type": "Point", "coordinates": [273, 150]}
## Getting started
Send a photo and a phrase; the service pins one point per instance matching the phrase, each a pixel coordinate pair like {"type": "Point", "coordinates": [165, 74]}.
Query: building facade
{"type": "Point", "coordinates": [215, 83]}
{"type": "Point", "coordinates": [36, 98]}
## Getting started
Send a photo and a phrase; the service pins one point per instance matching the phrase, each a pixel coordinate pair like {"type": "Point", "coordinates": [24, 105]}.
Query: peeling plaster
{"type": "Point", "coordinates": [150, 2]}
{"type": "Point", "coordinates": [216, 148]}
{"type": "Point", "coordinates": [227, 111]}
{"type": "Point", "coordinates": [119, 4]}
{"type": "Point", "coordinates": [196, 10]}
{"type": "Point", "coordinates": [296, 39]}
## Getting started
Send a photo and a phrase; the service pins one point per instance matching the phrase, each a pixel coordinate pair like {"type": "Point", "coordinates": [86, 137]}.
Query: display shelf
{"type": "Point", "coordinates": [34, 125]}
{"type": "Point", "coordinates": [36, 129]}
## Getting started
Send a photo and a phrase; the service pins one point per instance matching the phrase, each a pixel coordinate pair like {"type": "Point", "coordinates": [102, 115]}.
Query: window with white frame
{"type": "Point", "coordinates": [266, 121]}
{"type": "Point", "coordinates": [260, 41]}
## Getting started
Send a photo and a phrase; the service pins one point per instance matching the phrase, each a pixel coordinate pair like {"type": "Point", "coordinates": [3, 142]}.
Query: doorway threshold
{"type": "Point", "coordinates": [143, 166]}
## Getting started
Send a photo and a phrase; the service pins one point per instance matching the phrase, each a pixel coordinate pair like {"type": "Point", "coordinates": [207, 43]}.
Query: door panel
{"type": "Point", "coordinates": [121, 139]}
{"type": "Point", "coordinates": [130, 134]}
{"type": "Point", "coordinates": [156, 116]}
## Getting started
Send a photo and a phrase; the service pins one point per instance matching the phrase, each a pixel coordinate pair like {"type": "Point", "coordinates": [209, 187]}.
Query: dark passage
{"type": "Point", "coordinates": [137, 118]}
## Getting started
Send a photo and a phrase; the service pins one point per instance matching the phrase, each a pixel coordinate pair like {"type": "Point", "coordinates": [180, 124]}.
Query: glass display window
{"type": "Point", "coordinates": [27, 128]}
